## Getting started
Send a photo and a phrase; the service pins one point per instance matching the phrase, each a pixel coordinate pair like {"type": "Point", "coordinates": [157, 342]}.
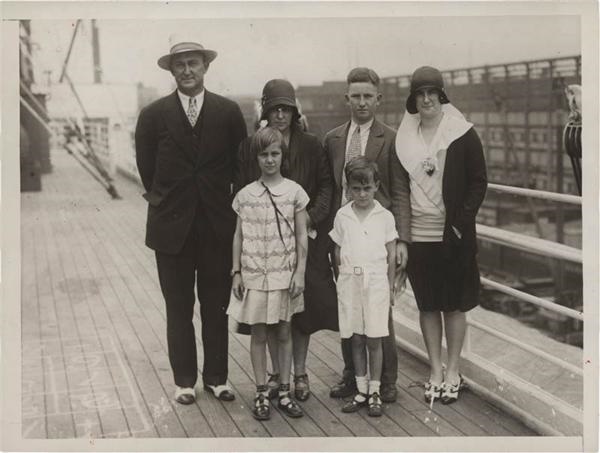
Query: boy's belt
{"type": "Point", "coordinates": [349, 269]}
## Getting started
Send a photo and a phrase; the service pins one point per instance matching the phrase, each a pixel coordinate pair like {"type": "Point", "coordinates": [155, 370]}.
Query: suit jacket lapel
{"type": "Point", "coordinates": [172, 114]}
{"type": "Point", "coordinates": [339, 153]}
{"type": "Point", "coordinates": [375, 141]}
{"type": "Point", "coordinates": [209, 118]}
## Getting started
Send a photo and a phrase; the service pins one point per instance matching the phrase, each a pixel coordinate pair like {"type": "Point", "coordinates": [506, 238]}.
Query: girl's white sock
{"type": "Point", "coordinates": [362, 384]}
{"type": "Point", "coordinates": [374, 387]}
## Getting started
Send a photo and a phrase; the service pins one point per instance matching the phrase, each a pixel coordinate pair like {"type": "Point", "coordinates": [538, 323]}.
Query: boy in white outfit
{"type": "Point", "coordinates": [365, 249]}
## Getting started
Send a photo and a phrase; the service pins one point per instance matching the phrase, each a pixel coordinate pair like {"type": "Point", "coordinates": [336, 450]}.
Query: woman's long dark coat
{"type": "Point", "coordinates": [307, 164]}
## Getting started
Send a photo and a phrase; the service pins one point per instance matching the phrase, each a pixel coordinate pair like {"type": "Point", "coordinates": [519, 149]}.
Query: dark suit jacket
{"type": "Point", "coordinates": [183, 167]}
{"type": "Point", "coordinates": [463, 189]}
{"type": "Point", "coordinates": [394, 191]}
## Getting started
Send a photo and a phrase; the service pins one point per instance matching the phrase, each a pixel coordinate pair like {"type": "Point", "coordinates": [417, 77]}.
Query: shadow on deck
{"type": "Point", "coordinates": [94, 354]}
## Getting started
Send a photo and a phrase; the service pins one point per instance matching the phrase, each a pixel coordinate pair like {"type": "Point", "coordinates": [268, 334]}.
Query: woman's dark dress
{"type": "Point", "coordinates": [308, 166]}
{"type": "Point", "coordinates": [444, 275]}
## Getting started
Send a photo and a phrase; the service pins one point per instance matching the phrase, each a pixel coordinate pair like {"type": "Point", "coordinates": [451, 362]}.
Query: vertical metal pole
{"type": "Point", "coordinates": [560, 217]}
{"type": "Point", "coordinates": [526, 134]}
{"type": "Point", "coordinates": [505, 130]}
{"type": "Point", "coordinates": [96, 53]}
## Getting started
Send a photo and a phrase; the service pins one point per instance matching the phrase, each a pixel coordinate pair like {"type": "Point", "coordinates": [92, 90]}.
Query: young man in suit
{"type": "Point", "coordinates": [366, 136]}
{"type": "Point", "coordinates": [186, 145]}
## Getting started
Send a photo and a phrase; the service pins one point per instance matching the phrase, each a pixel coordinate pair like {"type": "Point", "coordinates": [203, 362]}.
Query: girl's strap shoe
{"type": "Point", "coordinates": [289, 406]}
{"type": "Point", "coordinates": [432, 391]}
{"type": "Point", "coordinates": [273, 384]}
{"type": "Point", "coordinates": [261, 409]}
{"type": "Point", "coordinates": [301, 387]}
{"type": "Point", "coordinates": [450, 391]}
{"type": "Point", "coordinates": [375, 406]}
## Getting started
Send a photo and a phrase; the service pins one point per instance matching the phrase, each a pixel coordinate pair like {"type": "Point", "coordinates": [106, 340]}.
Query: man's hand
{"type": "Point", "coordinates": [401, 255]}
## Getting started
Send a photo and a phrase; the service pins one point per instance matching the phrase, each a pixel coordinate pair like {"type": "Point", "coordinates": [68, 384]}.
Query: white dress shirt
{"type": "Point", "coordinates": [185, 102]}
{"type": "Point", "coordinates": [365, 129]}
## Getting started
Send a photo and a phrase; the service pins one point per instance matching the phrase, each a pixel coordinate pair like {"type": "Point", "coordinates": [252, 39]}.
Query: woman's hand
{"type": "Point", "coordinates": [399, 284]}
{"type": "Point", "coordinates": [297, 284]}
{"type": "Point", "coordinates": [401, 255]}
{"type": "Point", "coordinates": [238, 286]}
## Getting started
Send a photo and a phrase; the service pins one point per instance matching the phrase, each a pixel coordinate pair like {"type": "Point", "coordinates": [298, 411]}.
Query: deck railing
{"type": "Point", "coordinates": [527, 400]}
{"type": "Point", "coordinates": [533, 245]}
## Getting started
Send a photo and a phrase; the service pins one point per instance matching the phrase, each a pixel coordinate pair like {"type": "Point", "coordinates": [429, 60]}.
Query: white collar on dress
{"type": "Point", "coordinates": [408, 142]}
{"type": "Point", "coordinates": [257, 189]}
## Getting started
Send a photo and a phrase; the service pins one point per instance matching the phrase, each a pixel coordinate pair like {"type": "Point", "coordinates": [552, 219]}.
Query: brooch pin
{"type": "Point", "coordinates": [429, 165]}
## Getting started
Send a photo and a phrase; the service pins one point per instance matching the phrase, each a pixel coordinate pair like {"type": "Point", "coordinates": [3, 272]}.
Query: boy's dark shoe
{"type": "Point", "coordinates": [388, 393]}
{"type": "Point", "coordinates": [343, 389]}
{"type": "Point", "coordinates": [355, 403]}
{"type": "Point", "coordinates": [375, 406]}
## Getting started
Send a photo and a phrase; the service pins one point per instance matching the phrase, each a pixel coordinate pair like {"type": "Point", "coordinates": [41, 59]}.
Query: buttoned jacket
{"type": "Point", "coordinates": [184, 167]}
{"type": "Point", "coordinates": [394, 191]}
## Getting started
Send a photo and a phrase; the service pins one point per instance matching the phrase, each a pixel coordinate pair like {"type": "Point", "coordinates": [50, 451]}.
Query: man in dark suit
{"type": "Point", "coordinates": [186, 145]}
{"type": "Point", "coordinates": [364, 135]}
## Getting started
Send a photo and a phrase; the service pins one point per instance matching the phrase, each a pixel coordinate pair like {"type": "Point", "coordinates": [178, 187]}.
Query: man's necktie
{"type": "Point", "coordinates": [354, 148]}
{"type": "Point", "coordinates": [192, 112]}
{"type": "Point", "coordinates": [352, 152]}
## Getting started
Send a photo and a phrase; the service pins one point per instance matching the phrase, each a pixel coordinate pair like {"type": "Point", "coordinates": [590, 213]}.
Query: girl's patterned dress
{"type": "Point", "coordinates": [268, 252]}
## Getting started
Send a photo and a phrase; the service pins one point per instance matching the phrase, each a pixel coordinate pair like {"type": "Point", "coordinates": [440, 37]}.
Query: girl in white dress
{"type": "Point", "coordinates": [269, 260]}
{"type": "Point", "coordinates": [364, 234]}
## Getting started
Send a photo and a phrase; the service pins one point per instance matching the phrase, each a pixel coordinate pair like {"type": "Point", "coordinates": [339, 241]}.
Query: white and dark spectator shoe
{"type": "Point", "coordinates": [185, 395]}
{"type": "Point", "coordinates": [221, 392]}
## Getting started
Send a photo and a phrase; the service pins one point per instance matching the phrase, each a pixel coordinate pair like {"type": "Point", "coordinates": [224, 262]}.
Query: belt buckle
{"type": "Point", "coordinates": [358, 270]}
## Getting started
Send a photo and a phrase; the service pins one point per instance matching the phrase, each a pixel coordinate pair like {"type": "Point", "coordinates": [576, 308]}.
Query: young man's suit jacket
{"type": "Point", "coordinates": [182, 167]}
{"type": "Point", "coordinates": [394, 191]}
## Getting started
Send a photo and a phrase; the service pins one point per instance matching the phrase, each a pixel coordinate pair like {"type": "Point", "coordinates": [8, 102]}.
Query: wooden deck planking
{"type": "Point", "coordinates": [222, 420]}
{"type": "Point", "coordinates": [198, 424]}
{"type": "Point", "coordinates": [330, 342]}
{"type": "Point", "coordinates": [63, 422]}
{"type": "Point", "coordinates": [133, 349]}
{"type": "Point", "coordinates": [111, 339]}
{"type": "Point", "coordinates": [95, 390]}
{"type": "Point", "coordinates": [96, 294]}
{"type": "Point", "coordinates": [422, 411]}
{"type": "Point", "coordinates": [470, 417]}
{"type": "Point", "coordinates": [34, 408]}
{"type": "Point", "coordinates": [104, 395]}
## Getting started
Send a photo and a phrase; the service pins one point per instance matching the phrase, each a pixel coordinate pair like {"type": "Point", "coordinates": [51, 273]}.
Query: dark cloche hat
{"type": "Point", "coordinates": [277, 92]}
{"type": "Point", "coordinates": [425, 77]}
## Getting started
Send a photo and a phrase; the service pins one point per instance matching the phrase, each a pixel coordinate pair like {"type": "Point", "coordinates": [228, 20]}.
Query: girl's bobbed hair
{"type": "Point", "coordinates": [265, 137]}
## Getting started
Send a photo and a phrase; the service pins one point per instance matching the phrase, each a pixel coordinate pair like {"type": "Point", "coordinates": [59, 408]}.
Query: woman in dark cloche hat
{"type": "Point", "coordinates": [444, 157]}
{"type": "Point", "coordinates": [304, 162]}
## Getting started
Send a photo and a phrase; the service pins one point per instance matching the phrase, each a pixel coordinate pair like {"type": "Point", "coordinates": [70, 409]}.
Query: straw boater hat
{"type": "Point", "coordinates": [179, 45]}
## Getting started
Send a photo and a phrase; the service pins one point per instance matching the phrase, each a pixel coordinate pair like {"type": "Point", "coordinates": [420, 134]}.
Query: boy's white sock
{"type": "Point", "coordinates": [374, 387]}
{"type": "Point", "coordinates": [362, 384]}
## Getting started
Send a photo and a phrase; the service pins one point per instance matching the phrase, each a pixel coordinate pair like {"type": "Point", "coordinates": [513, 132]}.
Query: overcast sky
{"type": "Point", "coordinates": [303, 50]}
